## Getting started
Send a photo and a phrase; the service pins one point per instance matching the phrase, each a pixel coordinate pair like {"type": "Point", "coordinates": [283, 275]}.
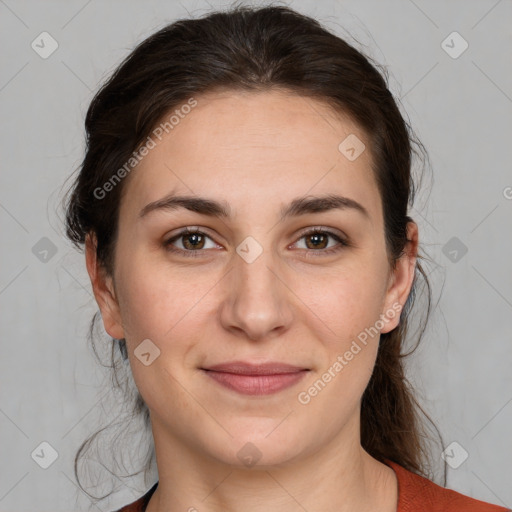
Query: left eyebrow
{"type": "Point", "coordinates": [305, 205]}
{"type": "Point", "coordinates": [299, 206]}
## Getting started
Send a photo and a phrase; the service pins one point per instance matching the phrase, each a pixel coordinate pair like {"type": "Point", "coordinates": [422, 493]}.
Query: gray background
{"type": "Point", "coordinates": [460, 108]}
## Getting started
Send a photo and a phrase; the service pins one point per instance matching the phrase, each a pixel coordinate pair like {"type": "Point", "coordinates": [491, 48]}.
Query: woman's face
{"type": "Point", "coordinates": [253, 285]}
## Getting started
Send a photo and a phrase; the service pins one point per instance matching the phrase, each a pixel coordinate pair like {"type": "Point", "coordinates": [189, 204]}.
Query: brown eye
{"type": "Point", "coordinates": [192, 242]}
{"type": "Point", "coordinates": [317, 242]}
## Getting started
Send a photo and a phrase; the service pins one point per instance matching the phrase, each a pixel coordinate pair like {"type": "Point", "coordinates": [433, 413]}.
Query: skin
{"type": "Point", "coordinates": [256, 151]}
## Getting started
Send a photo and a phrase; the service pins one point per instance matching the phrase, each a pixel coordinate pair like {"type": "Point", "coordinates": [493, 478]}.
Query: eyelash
{"type": "Point", "coordinates": [320, 252]}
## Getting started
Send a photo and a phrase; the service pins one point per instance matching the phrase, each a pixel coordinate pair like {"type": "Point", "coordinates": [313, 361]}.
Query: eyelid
{"type": "Point", "coordinates": [323, 229]}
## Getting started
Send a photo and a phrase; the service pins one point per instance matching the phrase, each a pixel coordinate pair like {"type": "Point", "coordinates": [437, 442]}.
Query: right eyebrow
{"type": "Point", "coordinates": [196, 204]}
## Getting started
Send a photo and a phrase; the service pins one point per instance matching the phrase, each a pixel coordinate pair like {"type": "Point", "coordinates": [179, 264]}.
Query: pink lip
{"type": "Point", "coordinates": [256, 379]}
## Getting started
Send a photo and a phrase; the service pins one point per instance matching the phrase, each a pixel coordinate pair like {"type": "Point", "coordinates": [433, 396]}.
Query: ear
{"type": "Point", "coordinates": [103, 288]}
{"type": "Point", "coordinates": [400, 280]}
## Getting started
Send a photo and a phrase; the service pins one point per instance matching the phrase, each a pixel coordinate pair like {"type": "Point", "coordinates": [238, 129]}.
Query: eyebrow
{"type": "Point", "coordinates": [299, 206]}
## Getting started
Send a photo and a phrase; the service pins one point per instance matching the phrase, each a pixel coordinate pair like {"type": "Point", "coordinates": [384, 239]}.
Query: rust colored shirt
{"type": "Point", "coordinates": [415, 494]}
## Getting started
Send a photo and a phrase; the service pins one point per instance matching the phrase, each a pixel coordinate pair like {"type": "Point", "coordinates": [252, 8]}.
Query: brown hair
{"type": "Point", "coordinates": [259, 49]}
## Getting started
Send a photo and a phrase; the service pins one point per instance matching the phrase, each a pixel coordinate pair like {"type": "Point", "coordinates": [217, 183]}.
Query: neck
{"type": "Point", "coordinates": [339, 476]}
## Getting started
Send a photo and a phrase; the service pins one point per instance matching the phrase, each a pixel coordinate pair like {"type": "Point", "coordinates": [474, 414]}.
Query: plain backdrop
{"type": "Point", "coordinates": [459, 101]}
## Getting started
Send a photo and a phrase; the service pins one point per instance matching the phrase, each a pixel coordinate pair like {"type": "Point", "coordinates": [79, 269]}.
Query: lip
{"type": "Point", "coordinates": [255, 379]}
{"type": "Point", "coordinates": [246, 368]}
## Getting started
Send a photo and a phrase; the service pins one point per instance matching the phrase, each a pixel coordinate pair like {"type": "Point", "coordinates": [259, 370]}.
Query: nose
{"type": "Point", "coordinates": [257, 302]}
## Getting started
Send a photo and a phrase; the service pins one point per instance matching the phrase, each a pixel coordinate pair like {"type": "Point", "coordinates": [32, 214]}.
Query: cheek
{"type": "Point", "coordinates": [166, 308]}
{"type": "Point", "coordinates": [350, 308]}
{"type": "Point", "coordinates": [157, 299]}
{"type": "Point", "coordinates": [347, 300]}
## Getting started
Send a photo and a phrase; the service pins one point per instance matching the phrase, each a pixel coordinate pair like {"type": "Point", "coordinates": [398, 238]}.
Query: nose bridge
{"type": "Point", "coordinates": [257, 299]}
{"type": "Point", "coordinates": [253, 264]}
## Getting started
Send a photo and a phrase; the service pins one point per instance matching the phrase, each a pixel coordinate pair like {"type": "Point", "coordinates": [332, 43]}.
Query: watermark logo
{"type": "Point", "coordinates": [249, 454]}
{"type": "Point", "coordinates": [454, 455]}
{"type": "Point", "coordinates": [454, 249]}
{"type": "Point", "coordinates": [44, 250]}
{"type": "Point", "coordinates": [351, 147]}
{"type": "Point", "coordinates": [454, 45]}
{"type": "Point", "coordinates": [146, 352]}
{"type": "Point", "coordinates": [44, 455]}
{"type": "Point", "coordinates": [150, 143]}
{"type": "Point", "coordinates": [304, 397]}
{"type": "Point", "coordinates": [44, 45]}
{"type": "Point", "coordinates": [249, 249]}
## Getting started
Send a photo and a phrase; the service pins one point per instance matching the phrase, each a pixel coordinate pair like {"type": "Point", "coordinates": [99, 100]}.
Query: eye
{"type": "Point", "coordinates": [317, 242]}
{"type": "Point", "coordinates": [193, 241]}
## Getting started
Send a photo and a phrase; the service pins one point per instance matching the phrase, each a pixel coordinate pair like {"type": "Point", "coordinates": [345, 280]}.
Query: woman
{"type": "Point", "coordinates": [243, 206]}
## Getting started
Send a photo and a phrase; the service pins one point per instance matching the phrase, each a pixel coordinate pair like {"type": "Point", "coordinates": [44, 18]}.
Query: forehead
{"type": "Point", "coordinates": [242, 146]}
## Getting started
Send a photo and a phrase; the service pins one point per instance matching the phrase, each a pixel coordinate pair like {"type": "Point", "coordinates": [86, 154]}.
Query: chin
{"type": "Point", "coordinates": [263, 445]}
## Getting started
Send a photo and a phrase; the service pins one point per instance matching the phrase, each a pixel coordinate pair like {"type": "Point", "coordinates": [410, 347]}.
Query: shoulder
{"type": "Point", "coordinates": [140, 504]}
{"type": "Point", "coordinates": [418, 494]}
{"type": "Point", "coordinates": [415, 494]}
{"type": "Point", "coordinates": [136, 506]}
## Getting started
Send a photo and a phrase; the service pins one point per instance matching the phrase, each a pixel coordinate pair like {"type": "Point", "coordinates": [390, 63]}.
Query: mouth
{"type": "Point", "coordinates": [256, 379]}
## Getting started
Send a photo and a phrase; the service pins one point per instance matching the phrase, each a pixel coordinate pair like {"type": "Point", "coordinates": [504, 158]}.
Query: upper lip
{"type": "Point", "coordinates": [246, 368]}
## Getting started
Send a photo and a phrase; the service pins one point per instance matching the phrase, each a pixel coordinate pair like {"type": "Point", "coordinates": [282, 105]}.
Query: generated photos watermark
{"type": "Point", "coordinates": [342, 360]}
{"type": "Point", "coordinates": [150, 143]}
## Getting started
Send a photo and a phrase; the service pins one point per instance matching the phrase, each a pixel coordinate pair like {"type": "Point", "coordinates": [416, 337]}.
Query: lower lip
{"type": "Point", "coordinates": [256, 384]}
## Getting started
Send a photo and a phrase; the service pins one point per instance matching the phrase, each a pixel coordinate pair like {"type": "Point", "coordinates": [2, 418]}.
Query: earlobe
{"type": "Point", "coordinates": [103, 288]}
{"type": "Point", "coordinates": [401, 280]}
